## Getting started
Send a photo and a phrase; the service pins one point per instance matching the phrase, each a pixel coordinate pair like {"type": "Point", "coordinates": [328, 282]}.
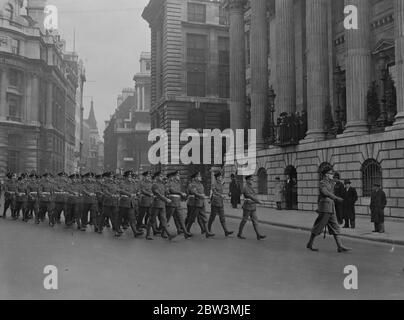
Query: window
{"type": "Point", "coordinates": [196, 48]}
{"type": "Point", "coordinates": [371, 174]}
{"type": "Point", "coordinates": [14, 153]}
{"type": "Point", "coordinates": [224, 83]}
{"type": "Point", "coordinates": [262, 182]}
{"type": "Point", "coordinates": [15, 46]}
{"type": "Point", "coordinates": [223, 16]}
{"type": "Point", "coordinates": [14, 107]}
{"type": "Point", "coordinates": [9, 9]}
{"type": "Point", "coordinates": [148, 66]}
{"type": "Point", "coordinates": [196, 119]}
{"type": "Point", "coordinates": [196, 84]}
{"type": "Point", "coordinates": [14, 78]}
{"type": "Point", "coordinates": [224, 53]}
{"type": "Point", "coordinates": [196, 12]}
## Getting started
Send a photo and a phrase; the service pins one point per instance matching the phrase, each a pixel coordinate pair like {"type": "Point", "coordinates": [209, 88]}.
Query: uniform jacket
{"type": "Point", "coordinates": [10, 189]}
{"type": "Point", "coordinates": [90, 190]}
{"type": "Point", "coordinates": [146, 194]}
{"type": "Point", "coordinates": [46, 191]}
{"type": "Point", "coordinates": [377, 204]}
{"type": "Point", "coordinates": [32, 190]}
{"type": "Point", "coordinates": [111, 194]}
{"type": "Point", "coordinates": [128, 191]}
{"type": "Point", "coordinates": [60, 191]}
{"type": "Point", "coordinates": [175, 194]}
{"type": "Point", "coordinates": [217, 195]}
{"type": "Point", "coordinates": [251, 200]}
{"type": "Point", "coordinates": [327, 197]}
{"type": "Point", "coordinates": [160, 199]}
{"type": "Point", "coordinates": [191, 197]}
{"type": "Point", "coordinates": [198, 190]}
{"type": "Point", "coordinates": [75, 193]}
{"type": "Point", "coordinates": [22, 191]}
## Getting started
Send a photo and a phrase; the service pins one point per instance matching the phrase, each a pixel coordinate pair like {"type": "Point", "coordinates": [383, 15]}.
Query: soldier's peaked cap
{"type": "Point", "coordinates": [146, 173]}
{"type": "Point", "coordinates": [128, 173]}
{"type": "Point", "coordinates": [194, 175]}
{"type": "Point", "coordinates": [172, 174]}
{"type": "Point", "coordinates": [327, 168]}
{"type": "Point", "coordinates": [218, 174]}
{"type": "Point", "coordinates": [156, 174]}
{"type": "Point", "coordinates": [107, 174]}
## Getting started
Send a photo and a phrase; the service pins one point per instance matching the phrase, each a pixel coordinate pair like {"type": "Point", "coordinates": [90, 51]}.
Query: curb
{"type": "Point", "coordinates": [288, 226]}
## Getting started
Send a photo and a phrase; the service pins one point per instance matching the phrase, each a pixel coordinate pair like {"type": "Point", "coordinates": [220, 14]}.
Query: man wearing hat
{"type": "Point", "coordinates": [46, 193]}
{"type": "Point", "coordinates": [10, 193]}
{"type": "Point", "coordinates": [326, 211]}
{"type": "Point", "coordinates": [235, 191]}
{"type": "Point", "coordinates": [21, 199]}
{"type": "Point", "coordinates": [90, 201]}
{"type": "Point", "coordinates": [378, 202]}
{"type": "Point", "coordinates": [350, 197]}
{"type": "Point", "coordinates": [174, 207]}
{"type": "Point", "coordinates": [60, 196]}
{"type": "Point", "coordinates": [110, 204]}
{"type": "Point", "coordinates": [339, 190]}
{"type": "Point", "coordinates": [32, 190]}
{"type": "Point", "coordinates": [158, 208]}
{"type": "Point", "coordinates": [217, 205]}
{"type": "Point", "coordinates": [278, 193]}
{"type": "Point", "coordinates": [198, 191]}
{"type": "Point", "coordinates": [250, 209]}
{"type": "Point", "coordinates": [75, 202]}
{"type": "Point", "coordinates": [128, 202]}
{"type": "Point", "coordinates": [146, 199]}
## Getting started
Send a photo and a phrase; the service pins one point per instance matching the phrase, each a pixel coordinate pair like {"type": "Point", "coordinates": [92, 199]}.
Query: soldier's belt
{"type": "Point", "coordinates": [21, 194]}
{"type": "Point", "coordinates": [91, 195]}
{"type": "Point", "coordinates": [125, 196]}
{"type": "Point", "coordinates": [191, 197]}
{"type": "Point", "coordinates": [175, 196]}
{"type": "Point", "coordinates": [61, 193]}
{"type": "Point", "coordinates": [45, 193]}
{"type": "Point", "coordinates": [33, 193]}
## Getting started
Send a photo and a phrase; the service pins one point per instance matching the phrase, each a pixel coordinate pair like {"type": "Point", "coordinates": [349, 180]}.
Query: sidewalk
{"type": "Point", "coordinates": [303, 220]}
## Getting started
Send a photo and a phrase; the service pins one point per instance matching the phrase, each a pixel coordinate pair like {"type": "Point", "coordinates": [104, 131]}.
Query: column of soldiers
{"type": "Point", "coordinates": [123, 201]}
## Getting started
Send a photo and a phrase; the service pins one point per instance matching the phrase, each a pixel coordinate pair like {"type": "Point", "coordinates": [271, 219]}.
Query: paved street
{"type": "Point", "coordinates": [93, 266]}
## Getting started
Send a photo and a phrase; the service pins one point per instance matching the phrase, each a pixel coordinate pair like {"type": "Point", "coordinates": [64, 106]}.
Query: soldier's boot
{"type": "Point", "coordinates": [4, 212]}
{"type": "Point", "coordinates": [226, 231]}
{"type": "Point", "coordinates": [240, 230]}
{"type": "Point", "coordinates": [311, 242]}
{"type": "Point", "coordinates": [340, 247]}
{"type": "Point", "coordinates": [136, 232]}
{"type": "Point", "coordinates": [346, 225]}
{"type": "Point", "coordinates": [259, 236]}
{"type": "Point", "coordinates": [181, 226]}
{"type": "Point", "coordinates": [208, 234]}
{"type": "Point", "coordinates": [149, 233]}
{"type": "Point", "coordinates": [353, 224]}
{"type": "Point", "coordinates": [51, 219]}
{"type": "Point", "coordinates": [210, 223]}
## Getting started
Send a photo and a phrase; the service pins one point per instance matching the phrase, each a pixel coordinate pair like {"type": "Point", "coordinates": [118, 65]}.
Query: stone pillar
{"type": "Point", "coordinates": [120, 153]}
{"type": "Point", "coordinates": [34, 107]}
{"type": "Point", "coordinates": [317, 67]}
{"type": "Point", "coordinates": [399, 24]}
{"type": "Point", "coordinates": [159, 64]}
{"type": "Point", "coordinates": [285, 57]}
{"type": "Point", "coordinates": [237, 65]}
{"type": "Point", "coordinates": [358, 69]}
{"type": "Point", "coordinates": [49, 105]}
{"type": "Point", "coordinates": [3, 94]}
{"type": "Point", "coordinates": [259, 67]}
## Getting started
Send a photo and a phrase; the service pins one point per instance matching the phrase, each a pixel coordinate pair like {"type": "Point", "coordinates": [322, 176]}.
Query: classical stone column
{"type": "Point", "coordinates": [34, 106]}
{"type": "Point", "coordinates": [237, 65]}
{"type": "Point", "coordinates": [49, 106]}
{"type": "Point", "coordinates": [358, 69]}
{"type": "Point", "coordinates": [399, 24]}
{"type": "Point", "coordinates": [3, 94]}
{"type": "Point", "coordinates": [317, 67]}
{"type": "Point", "coordinates": [259, 67]}
{"type": "Point", "coordinates": [285, 57]}
{"type": "Point", "coordinates": [159, 64]}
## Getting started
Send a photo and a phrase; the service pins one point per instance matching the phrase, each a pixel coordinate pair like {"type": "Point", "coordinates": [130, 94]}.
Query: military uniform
{"type": "Point", "coordinates": [110, 206]}
{"type": "Point", "coordinates": [217, 207]}
{"type": "Point", "coordinates": [32, 191]}
{"type": "Point", "coordinates": [10, 194]}
{"type": "Point", "coordinates": [61, 196]}
{"type": "Point", "coordinates": [145, 203]}
{"type": "Point", "coordinates": [158, 210]}
{"type": "Point", "coordinates": [129, 204]}
{"type": "Point", "coordinates": [249, 210]}
{"type": "Point", "coordinates": [46, 192]}
{"type": "Point", "coordinates": [21, 200]}
{"type": "Point", "coordinates": [173, 208]}
{"type": "Point", "coordinates": [74, 204]}
{"type": "Point", "coordinates": [90, 204]}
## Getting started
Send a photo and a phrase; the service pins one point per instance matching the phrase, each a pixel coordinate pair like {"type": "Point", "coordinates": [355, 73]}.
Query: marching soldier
{"type": "Point", "coordinates": [10, 192]}
{"type": "Point", "coordinates": [74, 202]}
{"type": "Point", "coordinates": [158, 208]}
{"type": "Point", "coordinates": [326, 211]}
{"type": "Point", "coordinates": [110, 204]}
{"type": "Point", "coordinates": [145, 200]}
{"type": "Point", "coordinates": [21, 199]}
{"type": "Point", "coordinates": [46, 195]}
{"type": "Point", "coordinates": [90, 201]}
{"type": "Point", "coordinates": [250, 209]}
{"type": "Point", "coordinates": [60, 196]}
{"type": "Point", "coordinates": [128, 202]}
{"type": "Point", "coordinates": [173, 208]}
{"type": "Point", "coordinates": [197, 189]}
{"type": "Point", "coordinates": [191, 204]}
{"type": "Point", "coordinates": [217, 205]}
{"type": "Point", "coordinates": [32, 190]}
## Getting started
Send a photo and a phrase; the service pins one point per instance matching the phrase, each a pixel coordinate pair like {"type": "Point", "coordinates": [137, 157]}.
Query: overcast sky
{"type": "Point", "coordinates": [110, 35]}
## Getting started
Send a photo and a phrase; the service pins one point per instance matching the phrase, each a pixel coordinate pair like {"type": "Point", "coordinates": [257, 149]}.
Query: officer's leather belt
{"type": "Point", "coordinates": [21, 194]}
{"type": "Point", "coordinates": [33, 193]}
{"type": "Point", "coordinates": [175, 196]}
{"type": "Point", "coordinates": [61, 193]}
{"type": "Point", "coordinates": [46, 193]}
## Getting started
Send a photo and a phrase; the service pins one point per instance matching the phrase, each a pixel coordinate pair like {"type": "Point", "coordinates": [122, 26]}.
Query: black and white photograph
{"type": "Point", "coordinates": [230, 151]}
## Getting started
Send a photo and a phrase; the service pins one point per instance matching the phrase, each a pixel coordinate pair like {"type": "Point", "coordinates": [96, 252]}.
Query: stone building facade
{"type": "Point", "coordinates": [293, 58]}
{"type": "Point", "coordinates": [189, 68]}
{"type": "Point", "coordinates": [126, 133]}
{"type": "Point", "coordinates": [38, 82]}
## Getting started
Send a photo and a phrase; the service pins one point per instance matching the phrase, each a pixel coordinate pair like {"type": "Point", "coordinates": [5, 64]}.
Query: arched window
{"type": "Point", "coordinates": [9, 9]}
{"type": "Point", "coordinates": [262, 182]}
{"type": "Point", "coordinates": [371, 174]}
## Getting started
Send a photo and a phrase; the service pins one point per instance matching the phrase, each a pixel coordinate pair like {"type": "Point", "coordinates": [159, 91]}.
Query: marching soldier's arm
{"type": "Point", "coordinates": [249, 195]}
{"type": "Point", "coordinates": [122, 191]}
{"type": "Point", "coordinates": [194, 191]}
{"type": "Point", "coordinates": [175, 192]}
{"type": "Point", "coordinates": [146, 192]}
{"type": "Point", "coordinates": [157, 193]}
{"type": "Point", "coordinates": [216, 192]}
{"type": "Point", "coordinates": [324, 190]}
